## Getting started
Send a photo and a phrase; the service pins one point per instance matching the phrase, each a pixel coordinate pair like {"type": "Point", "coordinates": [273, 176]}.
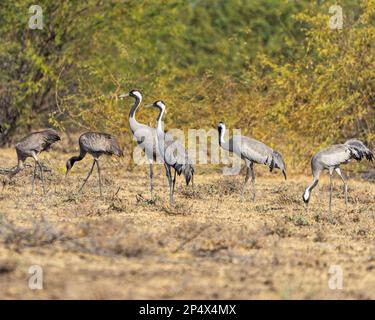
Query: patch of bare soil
{"type": "Point", "coordinates": [208, 246]}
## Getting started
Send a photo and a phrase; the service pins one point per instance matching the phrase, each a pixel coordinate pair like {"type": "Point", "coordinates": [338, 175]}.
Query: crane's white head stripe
{"type": "Point", "coordinates": [137, 94]}
{"type": "Point", "coordinates": [160, 104]}
{"type": "Point", "coordinates": [306, 195]}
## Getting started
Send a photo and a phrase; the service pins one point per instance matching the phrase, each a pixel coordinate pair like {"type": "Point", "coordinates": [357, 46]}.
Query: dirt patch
{"type": "Point", "coordinates": [210, 245]}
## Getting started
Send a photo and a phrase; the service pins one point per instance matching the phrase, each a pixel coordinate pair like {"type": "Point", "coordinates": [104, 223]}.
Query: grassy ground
{"type": "Point", "coordinates": [210, 245]}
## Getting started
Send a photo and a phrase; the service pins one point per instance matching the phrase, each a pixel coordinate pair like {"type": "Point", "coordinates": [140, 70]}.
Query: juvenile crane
{"type": "Point", "coordinates": [251, 151]}
{"type": "Point", "coordinates": [31, 146]}
{"type": "Point", "coordinates": [96, 144]}
{"type": "Point", "coordinates": [173, 154]}
{"type": "Point", "coordinates": [330, 159]}
{"type": "Point", "coordinates": [145, 135]}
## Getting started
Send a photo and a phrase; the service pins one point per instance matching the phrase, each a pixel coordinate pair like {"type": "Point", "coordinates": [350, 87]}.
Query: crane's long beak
{"type": "Point", "coordinates": [284, 173]}
{"type": "Point", "coordinates": [124, 95]}
{"type": "Point", "coordinates": [149, 105]}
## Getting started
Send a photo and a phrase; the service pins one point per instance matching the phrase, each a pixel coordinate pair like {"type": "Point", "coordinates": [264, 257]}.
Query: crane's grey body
{"type": "Point", "coordinates": [96, 144]}
{"type": "Point", "coordinates": [145, 136]}
{"type": "Point", "coordinates": [147, 139]}
{"type": "Point", "coordinates": [30, 147]}
{"type": "Point", "coordinates": [251, 151]}
{"type": "Point", "coordinates": [173, 154]}
{"type": "Point", "coordinates": [331, 159]}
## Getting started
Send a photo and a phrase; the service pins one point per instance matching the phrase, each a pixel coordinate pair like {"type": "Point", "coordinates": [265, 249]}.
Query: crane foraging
{"type": "Point", "coordinates": [331, 159]}
{"type": "Point", "coordinates": [30, 147]}
{"type": "Point", "coordinates": [251, 151]}
{"type": "Point", "coordinates": [96, 144]}
{"type": "Point", "coordinates": [145, 136]}
{"type": "Point", "coordinates": [173, 154]}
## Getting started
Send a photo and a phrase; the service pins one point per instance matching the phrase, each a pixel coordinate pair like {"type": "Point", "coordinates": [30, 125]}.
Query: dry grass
{"type": "Point", "coordinates": [210, 245]}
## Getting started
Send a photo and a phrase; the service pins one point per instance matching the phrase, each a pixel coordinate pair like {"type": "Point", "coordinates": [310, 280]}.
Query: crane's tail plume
{"type": "Point", "coordinates": [116, 149]}
{"type": "Point", "coordinates": [50, 136]}
{"type": "Point", "coordinates": [187, 170]}
{"type": "Point", "coordinates": [119, 152]}
{"type": "Point", "coordinates": [182, 163]}
{"type": "Point", "coordinates": [278, 163]}
{"type": "Point", "coordinates": [359, 150]}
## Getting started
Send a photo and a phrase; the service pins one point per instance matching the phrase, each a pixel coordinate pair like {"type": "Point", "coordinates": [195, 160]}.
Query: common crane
{"type": "Point", "coordinates": [146, 136]}
{"type": "Point", "coordinates": [96, 144]}
{"type": "Point", "coordinates": [330, 159]}
{"type": "Point", "coordinates": [251, 151]}
{"type": "Point", "coordinates": [173, 154]}
{"type": "Point", "coordinates": [31, 146]}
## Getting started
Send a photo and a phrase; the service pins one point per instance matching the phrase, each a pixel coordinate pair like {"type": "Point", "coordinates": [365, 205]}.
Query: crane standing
{"type": "Point", "coordinates": [96, 144]}
{"type": "Point", "coordinates": [330, 159]}
{"type": "Point", "coordinates": [31, 146]}
{"type": "Point", "coordinates": [251, 151]}
{"type": "Point", "coordinates": [173, 154]}
{"type": "Point", "coordinates": [146, 136]}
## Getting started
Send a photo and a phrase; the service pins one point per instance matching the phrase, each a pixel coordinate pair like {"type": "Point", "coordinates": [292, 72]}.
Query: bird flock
{"type": "Point", "coordinates": [158, 144]}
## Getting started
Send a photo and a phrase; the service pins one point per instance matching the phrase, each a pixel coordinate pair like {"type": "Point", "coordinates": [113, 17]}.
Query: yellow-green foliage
{"type": "Point", "coordinates": [272, 68]}
{"type": "Point", "coordinates": [327, 93]}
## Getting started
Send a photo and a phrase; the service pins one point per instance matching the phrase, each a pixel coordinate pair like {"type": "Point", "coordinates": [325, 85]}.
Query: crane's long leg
{"type": "Point", "coordinates": [174, 182]}
{"type": "Point", "coordinates": [41, 171]}
{"type": "Point", "coordinates": [168, 172]}
{"type": "Point", "coordinates": [338, 171]}
{"type": "Point", "coordinates": [87, 178]}
{"type": "Point", "coordinates": [253, 180]}
{"type": "Point", "coordinates": [152, 180]}
{"type": "Point", "coordinates": [245, 183]}
{"type": "Point", "coordinates": [330, 193]}
{"type": "Point", "coordinates": [100, 177]}
{"type": "Point", "coordinates": [42, 175]}
{"type": "Point", "coordinates": [33, 183]}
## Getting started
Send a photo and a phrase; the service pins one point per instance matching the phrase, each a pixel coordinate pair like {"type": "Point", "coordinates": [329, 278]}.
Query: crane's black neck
{"type": "Point", "coordinates": [160, 117]}
{"type": "Point", "coordinates": [219, 129]}
{"type": "Point", "coordinates": [307, 193]}
{"type": "Point", "coordinates": [135, 107]}
{"type": "Point", "coordinates": [73, 160]}
{"type": "Point", "coordinates": [221, 132]}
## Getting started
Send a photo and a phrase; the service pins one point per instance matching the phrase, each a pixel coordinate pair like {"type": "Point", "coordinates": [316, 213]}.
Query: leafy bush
{"type": "Point", "coordinates": [272, 68]}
